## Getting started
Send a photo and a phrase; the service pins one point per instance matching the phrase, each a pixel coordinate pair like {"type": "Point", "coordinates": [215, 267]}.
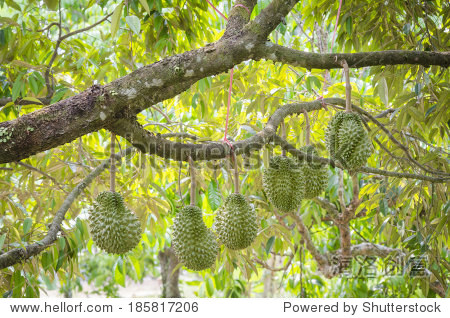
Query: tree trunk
{"type": "Point", "coordinates": [168, 262]}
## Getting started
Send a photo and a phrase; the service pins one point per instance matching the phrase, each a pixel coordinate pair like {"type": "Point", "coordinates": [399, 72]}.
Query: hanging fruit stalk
{"type": "Point", "coordinates": [114, 228]}
{"type": "Point", "coordinates": [193, 185]}
{"type": "Point", "coordinates": [236, 171]}
{"type": "Point", "coordinates": [236, 222]}
{"type": "Point", "coordinates": [283, 135]}
{"type": "Point", "coordinates": [112, 180]}
{"type": "Point", "coordinates": [348, 87]}
{"type": "Point", "coordinates": [307, 128]}
{"type": "Point", "coordinates": [194, 243]}
{"type": "Point", "coordinates": [314, 175]}
{"type": "Point", "coordinates": [347, 139]}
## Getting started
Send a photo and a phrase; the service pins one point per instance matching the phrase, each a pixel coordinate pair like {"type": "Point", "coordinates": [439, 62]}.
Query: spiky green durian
{"type": "Point", "coordinates": [236, 222]}
{"type": "Point", "coordinates": [195, 245]}
{"type": "Point", "coordinates": [347, 140]}
{"type": "Point", "coordinates": [315, 174]}
{"type": "Point", "coordinates": [114, 228]}
{"type": "Point", "coordinates": [282, 182]}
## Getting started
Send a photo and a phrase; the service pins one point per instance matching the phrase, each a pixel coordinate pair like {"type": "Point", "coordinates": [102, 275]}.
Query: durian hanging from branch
{"type": "Point", "coordinates": [347, 140]}
{"type": "Point", "coordinates": [114, 228]}
{"type": "Point", "coordinates": [283, 182]}
{"type": "Point", "coordinates": [236, 222]}
{"type": "Point", "coordinates": [315, 174]}
{"type": "Point", "coordinates": [194, 243]}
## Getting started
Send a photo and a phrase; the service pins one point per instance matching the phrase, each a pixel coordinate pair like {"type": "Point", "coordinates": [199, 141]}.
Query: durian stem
{"type": "Point", "coordinates": [112, 182]}
{"type": "Point", "coordinates": [348, 87]}
{"type": "Point", "coordinates": [193, 184]}
{"type": "Point", "coordinates": [307, 128]}
{"type": "Point", "coordinates": [283, 135]}
{"type": "Point", "coordinates": [236, 172]}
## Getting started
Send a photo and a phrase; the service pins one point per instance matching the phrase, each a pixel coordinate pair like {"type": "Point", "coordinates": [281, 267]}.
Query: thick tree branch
{"type": "Point", "coordinates": [278, 53]}
{"type": "Point", "coordinates": [269, 18]}
{"type": "Point", "coordinates": [98, 106]}
{"type": "Point", "coordinates": [154, 144]}
{"type": "Point", "coordinates": [371, 249]}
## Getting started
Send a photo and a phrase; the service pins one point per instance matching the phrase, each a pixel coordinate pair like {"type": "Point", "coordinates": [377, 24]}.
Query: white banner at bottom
{"type": "Point", "coordinates": [223, 307]}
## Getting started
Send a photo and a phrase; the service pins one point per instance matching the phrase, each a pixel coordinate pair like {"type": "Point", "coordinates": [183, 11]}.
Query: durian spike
{"type": "Point", "coordinates": [112, 181]}
{"type": "Point", "coordinates": [307, 128]}
{"type": "Point", "coordinates": [193, 190]}
{"type": "Point", "coordinates": [236, 172]}
{"type": "Point", "coordinates": [283, 135]}
{"type": "Point", "coordinates": [348, 87]}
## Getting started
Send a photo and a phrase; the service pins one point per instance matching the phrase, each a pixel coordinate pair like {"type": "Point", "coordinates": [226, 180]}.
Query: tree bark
{"type": "Point", "coordinates": [169, 261]}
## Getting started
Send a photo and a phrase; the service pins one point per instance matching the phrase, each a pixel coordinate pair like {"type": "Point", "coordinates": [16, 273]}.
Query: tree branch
{"type": "Point", "coordinates": [269, 18]}
{"type": "Point", "coordinates": [278, 53]}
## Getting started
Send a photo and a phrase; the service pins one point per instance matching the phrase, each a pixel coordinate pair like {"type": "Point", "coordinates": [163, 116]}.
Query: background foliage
{"type": "Point", "coordinates": [401, 213]}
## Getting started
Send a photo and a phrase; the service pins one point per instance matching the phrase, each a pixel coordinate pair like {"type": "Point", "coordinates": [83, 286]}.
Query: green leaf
{"type": "Point", "coordinates": [119, 277]}
{"type": "Point", "coordinates": [33, 84]}
{"type": "Point", "coordinates": [32, 99]}
{"type": "Point", "coordinates": [145, 5]}
{"type": "Point", "coordinates": [62, 243]}
{"type": "Point", "coordinates": [115, 19]}
{"type": "Point", "coordinates": [214, 198]}
{"type": "Point", "coordinates": [17, 88]}
{"type": "Point", "coordinates": [2, 240]}
{"type": "Point", "coordinates": [13, 5]}
{"type": "Point", "coordinates": [209, 287]}
{"type": "Point", "coordinates": [52, 4]}
{"type": "Point", "coordinates": [27, 223]}
{"type": "Point", "coordinates": [136, 265]}
{"type": "Point", "coordinates": [269, 244]}
{"type": "Point", "coordinates": [58, 95]}
{"type": "Point", "coordinates": [134, 23]}
{"type": "Point", "coordinates": [348, 25]}
{"type": "Point", "coordinates": [383, 91]}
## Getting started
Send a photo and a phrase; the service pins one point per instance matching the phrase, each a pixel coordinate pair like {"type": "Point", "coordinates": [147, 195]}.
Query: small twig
{"type": "Point", "coordinates": [30, 167]}
{"type": "Point", "coordinates": [48, 27]}
{"type": "Point", "coordinates": [320, 259]}
{"type": "Point", "coordinates": [157, 124]}
{"type": "Point", "coordinates": [162, 113]}
{"type": "Point", "coordinates": [398, 143]}
{"type": "Point", "coordinates": [179, 135]}
{"type": "Point", "coordinates": [275, 269]}
{"type": "Point", "coordinates": [55, 52]}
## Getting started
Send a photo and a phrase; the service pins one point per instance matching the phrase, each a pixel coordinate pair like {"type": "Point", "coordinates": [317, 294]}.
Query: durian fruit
{"type": "Point", "coordinates": [114, 228]}
{"type": "Point", "coordinates": [236, 223]}
{"type": "Point", "coordinates": [283, 183]}
{"type": "Point", "coordinates": [315, 174]}
{"type": "Point", "coordinates": [195, 245]}
{"type": "Point", "coordinates": [347, 140]}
